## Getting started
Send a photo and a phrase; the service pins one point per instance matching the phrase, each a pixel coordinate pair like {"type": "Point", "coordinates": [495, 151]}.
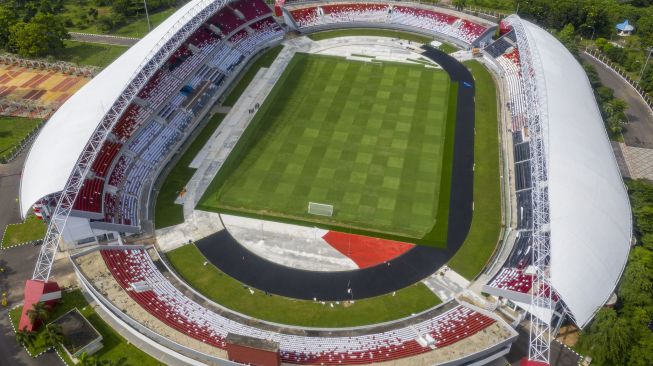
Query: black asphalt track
{"type": "Point", "coordinates": [228, 255]}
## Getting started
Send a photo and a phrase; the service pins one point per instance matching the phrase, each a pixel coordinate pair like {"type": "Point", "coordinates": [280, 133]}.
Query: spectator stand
{"type": "Point", "coordinates": [140, 277]}
{"type": "Point", "coordinates": [413, 18]}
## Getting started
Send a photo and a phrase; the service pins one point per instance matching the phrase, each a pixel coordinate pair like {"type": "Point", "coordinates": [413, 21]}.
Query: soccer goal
{"type": "Point", "coordinates": [320, 209]}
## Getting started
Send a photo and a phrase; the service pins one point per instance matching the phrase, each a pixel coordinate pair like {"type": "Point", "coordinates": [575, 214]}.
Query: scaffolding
{"type": "Point", "coordinates": [541, 307]}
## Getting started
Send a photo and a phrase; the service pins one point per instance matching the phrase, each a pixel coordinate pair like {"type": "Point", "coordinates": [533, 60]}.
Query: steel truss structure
{"type": "Point", "coordinates": [161, 51]}
{"type": "Point", "coordinates": [541, 308]}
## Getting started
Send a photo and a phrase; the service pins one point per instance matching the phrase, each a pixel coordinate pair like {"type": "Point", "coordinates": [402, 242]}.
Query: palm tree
{"type": "Point", "coordinates": [39, 312]}
{"type": "Point", "coordinates": [86, 360]}
{"type": "Point", "coordinates": [25, 338]}
{"type": "Point", "coordinates": [53, 334]}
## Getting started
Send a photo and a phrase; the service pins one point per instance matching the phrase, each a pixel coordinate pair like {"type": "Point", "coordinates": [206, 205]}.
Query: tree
{"type": "Point", "coordinates": [647, 241]}
{"type": "Point", "coordinates": [644, 218]}
{"type": "Point", "coordinates": [25, 338]}
{"type": "Point", "coordinates": [7, 20]}
{"type": "Point", "coordinates": [636, 286]}
{"type": "Point", "coordinates": [42, 35]}
{"type": "Point", "coordinates": [642, 352]}
{"type": "Point", "coordinates": [53, 335]}
{"type": "Point", "coordinates": [459, 4]}
{"type": "Point", "coordinates": [604, 94]}
{"type": "Point", "coordinates": [122, 361]}
{"type": "Point", "coordinates": [39, 312]}
{"type": "Point", "coordinates": [608, 338]}
{"type": "Point", "coordinates": [86, 360]}
{"type": "Point", "coordinates": [592, 75]}
{"type": "Point", "coordinates": [615, 124]}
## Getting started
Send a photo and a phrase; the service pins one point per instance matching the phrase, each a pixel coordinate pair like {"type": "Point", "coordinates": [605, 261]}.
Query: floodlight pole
{"type": "Point", "coordinates": [147, 16]}
{"type": "Point", "coordinates": [641, 73]}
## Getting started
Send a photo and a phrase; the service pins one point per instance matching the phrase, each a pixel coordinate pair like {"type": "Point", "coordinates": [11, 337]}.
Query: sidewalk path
{"type": "Point", "coordinates": [103, 39]}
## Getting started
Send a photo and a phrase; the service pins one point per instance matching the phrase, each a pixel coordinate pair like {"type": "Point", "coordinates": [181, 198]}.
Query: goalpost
{"type": "Point", "coordinates": [320, 209]}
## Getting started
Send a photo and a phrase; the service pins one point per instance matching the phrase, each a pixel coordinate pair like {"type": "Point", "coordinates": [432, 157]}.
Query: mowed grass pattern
{"type": "Point", "coordinates": [367, 138]}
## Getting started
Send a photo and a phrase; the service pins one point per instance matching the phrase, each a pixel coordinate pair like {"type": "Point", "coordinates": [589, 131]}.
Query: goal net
{"type": "Point", "coordinates": [320, 209]}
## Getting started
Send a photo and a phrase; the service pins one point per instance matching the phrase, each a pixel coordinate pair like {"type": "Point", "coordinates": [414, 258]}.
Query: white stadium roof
{"type": "Point", "coordinates": [59, 144]}
{"type": "Point", "coordinates": [590, 219]}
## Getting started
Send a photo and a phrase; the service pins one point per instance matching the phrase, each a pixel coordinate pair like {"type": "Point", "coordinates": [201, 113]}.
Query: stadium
{"type": "Point", "coordinates": [351, 170]}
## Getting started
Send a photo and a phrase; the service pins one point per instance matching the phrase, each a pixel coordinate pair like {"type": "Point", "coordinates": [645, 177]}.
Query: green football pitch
{"type": "Point", "coordinates": [375, 140]}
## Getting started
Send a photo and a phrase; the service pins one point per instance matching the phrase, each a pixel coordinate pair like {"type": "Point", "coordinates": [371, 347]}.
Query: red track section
{"type": "Point", "coordinates": [366, 251]}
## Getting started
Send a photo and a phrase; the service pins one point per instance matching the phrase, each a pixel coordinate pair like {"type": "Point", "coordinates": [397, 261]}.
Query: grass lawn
{"type": "Point", "coordinates": [136, 27]}
{"type": "Point", "coordinates": [486, 221]}
{"type": "Point", "coordinates": [447, 48]}
{"type": "Point", "coordinates": [13, 130]}
{"type": "Point", "coordinates": [368, 138]}
{"type": "Point", "coordinates": [265, 60]}
{"type": "Point", "coordinates": [370, 32]}
{"type": "Point", "coordinates": [90, 53]}
{"type": "Point", "coordinates": [31, 229]}
{"type": "Point", "coordinates": [115, 347]}
{"type": "Point", "coordinates": [167, 213]}
{"type": "Point", "coordinates": [228, 292]}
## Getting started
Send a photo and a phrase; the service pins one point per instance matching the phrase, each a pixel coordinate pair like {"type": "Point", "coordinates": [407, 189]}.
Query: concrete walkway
{"type": "Point", "coordinates": [103, 39]}
{"type": "Point", "coordinates": [639, 162]}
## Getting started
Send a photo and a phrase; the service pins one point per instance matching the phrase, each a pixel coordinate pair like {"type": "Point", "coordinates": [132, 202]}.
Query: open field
{"type": "Point", "coordinates": [167, 213]}
{"type": "Point", "coordinates": [228, 292]}
{"type": "Point", "coordinates": [29, 230]}
{"type": "Point", "coordinates": [115, 347]}
{"type": "Point", "coordinates": [265, 60]}
{"type": "Point", "coordinates": [486, 221]}
{"type": "Point", "coordinates": [90, 54]}
{"type": "Point", "coordinates": [369, 32]}
{"type": "Point", "coordinates": [13, 130]}
{"type": "Point", "coordinates": [368, 138]}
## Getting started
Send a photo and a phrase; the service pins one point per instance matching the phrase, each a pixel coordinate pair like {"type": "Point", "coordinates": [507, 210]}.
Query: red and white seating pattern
{"type": "Point", "coordinates": [148, 140]}
{"type": "Point", "coordinates": [226, 20]}
{"type": "Point", "coordinates": [265, 30]}
{"type": "Point", "coordinates": [131, 120]}
{"type": "Point", "coordinates": [118, 172]}
{"type": "Point", "coordinates": [512, 279]}
{"type": "Point", "coordinates": [110, 208]}
{"type": "Point", "coordinates": [430, 20]}
{"type": "Point", "coordinates": [448, 25]}
{"type": "Point", "coordinates": [172, 307]}
{"type": "Point", "coordinates": [105, 156]}
{"type": "Point", "coordinates": [518, 105]}
{"type": "Point", "coordinates": [89, 197]}
{"type": "Point", "coordinates": [251, 9]}
{"type": "Point", "coordinates": [226, 59]}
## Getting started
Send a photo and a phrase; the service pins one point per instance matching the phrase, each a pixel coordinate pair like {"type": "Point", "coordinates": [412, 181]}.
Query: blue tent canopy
{"type": "Point", "coordinates": [625, 26]}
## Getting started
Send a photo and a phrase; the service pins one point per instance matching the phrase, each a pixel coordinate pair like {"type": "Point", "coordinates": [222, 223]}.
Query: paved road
{"type": "Point", "coordinates": [18, 263]}
{"type": "Point", "coordinates": [103, 39]}
{"type": "Point", "coordinates": [9, 184]}
{"type": "Point", "coordinates": [639, 131]}
{"type": "Point", "coordinates": [560, 355]}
